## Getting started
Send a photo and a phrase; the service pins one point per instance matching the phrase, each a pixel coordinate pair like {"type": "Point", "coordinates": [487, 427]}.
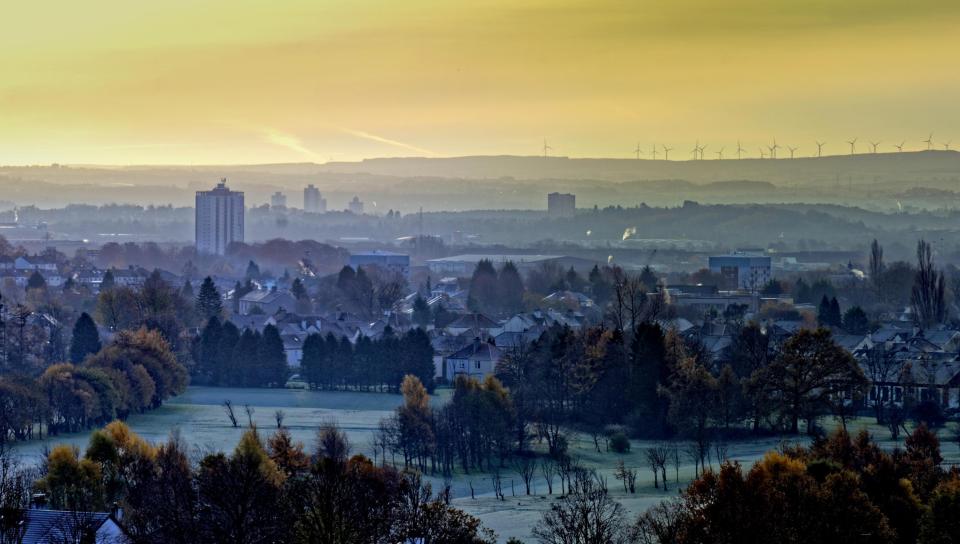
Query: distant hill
{"type": "Point", "coordinates": [824, 170]}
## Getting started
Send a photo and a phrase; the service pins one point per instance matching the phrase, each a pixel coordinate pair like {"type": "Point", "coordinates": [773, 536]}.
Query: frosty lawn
{"type": "Point", "coordinates": [199, 417]}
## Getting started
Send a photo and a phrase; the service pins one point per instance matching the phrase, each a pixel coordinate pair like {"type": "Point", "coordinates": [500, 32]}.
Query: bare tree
{"type": "Point", "coordinates": [586, 514]}
{"type": "Point", "coordinates": [657, 461]}
{"type": "Point", "coordinates": [548, 469]}
{"type": "Point", "coordinates": [228, 408]}
{"type": "Point", "coordinates": [526, 466]}
{"type": "Point", "coordinates": [628, 476]}
{"type": "Point", "coordinates": [249, 411]}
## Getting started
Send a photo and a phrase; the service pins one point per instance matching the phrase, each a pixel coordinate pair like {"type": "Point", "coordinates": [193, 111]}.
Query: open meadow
{"type": "Point", "coordinates": [199, 417]}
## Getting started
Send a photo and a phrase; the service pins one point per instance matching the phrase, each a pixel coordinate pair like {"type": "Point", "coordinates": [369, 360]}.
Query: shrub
{"type": "Point", "coordinates": [620, 443]}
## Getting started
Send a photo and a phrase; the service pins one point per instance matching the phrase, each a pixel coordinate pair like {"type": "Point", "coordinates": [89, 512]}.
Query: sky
{"type": "Point", "coordinates": [237, 81]}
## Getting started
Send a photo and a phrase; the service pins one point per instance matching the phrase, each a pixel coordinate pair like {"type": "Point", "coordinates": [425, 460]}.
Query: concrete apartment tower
{"type": "Point", "coordinates": [312, 202]}
{"type": "Point", "coordinates": [561, 205]}
{"type": "Point", "coordinates": [219, 219]}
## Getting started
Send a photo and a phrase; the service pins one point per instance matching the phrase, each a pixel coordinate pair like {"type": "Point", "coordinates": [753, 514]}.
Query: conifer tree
{"type": "Point", "coordinates": [85, 339]}
{"type": "Point", "coordinates": [208, 300]}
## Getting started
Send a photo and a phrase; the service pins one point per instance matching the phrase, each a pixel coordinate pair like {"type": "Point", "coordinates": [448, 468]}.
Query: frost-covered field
{"type": "Point", "coordinates": [199, 417]}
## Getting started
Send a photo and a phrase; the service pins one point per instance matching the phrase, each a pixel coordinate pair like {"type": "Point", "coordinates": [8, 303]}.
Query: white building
{"type": "Point", "coordinates": [219, 219]}
{"type": "Point", "coordinates": [312, 201]}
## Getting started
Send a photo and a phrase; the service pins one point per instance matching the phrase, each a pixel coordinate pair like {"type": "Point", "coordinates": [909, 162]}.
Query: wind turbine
{"type": "Point", "coordinates": [853, 146]}
{"type": "Point", "coordinates": [546, 147]}
{"type": "Point", "coordinates": [774, 148]}
{"type": "Point", "coordinates": [874, 145]}
{"type": "Point", "coordinates": [792, 150]}
{"type": "Point", "coordinates": [666, 153]}
{"type": "Point", "coordinates": [929, 142]}
{"type": "Point", "coordinates": [899, 147]}
{"type": "Point", "coordinates": [946, 146]}
{"type": "Point", "coordinates": [762, 155]}
{"type": "Point", "coordinates": [720, 154]}
{"type": "Point", "coordinates": [696, 150]}
{"type": "Point", "coordinates": [739, 149]}
{"type": "Point", "coordinates": [654, 152]}
{"type": "Point", "coordinates": [638, 151]}
{"type": "Point", "coordinates": [702, 148]}
{"type": "Point", "coordinates": [820, 148]}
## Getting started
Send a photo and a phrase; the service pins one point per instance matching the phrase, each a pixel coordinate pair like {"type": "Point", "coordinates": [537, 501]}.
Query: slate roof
{"type": "Point", "coordinates": [44, 526]}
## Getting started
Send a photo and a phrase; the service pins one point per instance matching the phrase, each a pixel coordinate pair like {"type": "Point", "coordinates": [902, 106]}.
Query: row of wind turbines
{"type": "Point", "coordinates": [766, 152]}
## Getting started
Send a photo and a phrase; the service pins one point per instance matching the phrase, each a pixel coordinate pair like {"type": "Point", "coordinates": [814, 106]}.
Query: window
{"type": "Point", "coordinates": [476, 365]}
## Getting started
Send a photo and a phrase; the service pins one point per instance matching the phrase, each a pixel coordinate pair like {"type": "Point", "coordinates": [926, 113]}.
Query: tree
{"type": "Point", "coordinates": [585, 515]}
{"type": "Point", "coordinates": [208, 301]}
{"type": "Point", "coordinates": [927, 296]}
{"type": "Point", "coordinates": [421, 312]}
{"type": "Point", "coordinates": [273, 368]}
{"type": "Point", "coordinates": [108, 281]}
{"type": "Point", "coordinates": [36, 281]}
{"type": "Point", "coordinates": [85, 339]}
{"type": "Point", "coordinates": [510, 287]}
{"type": "Point", "coordinates": [876, 264]}
{"type": "Point", "coordinates": [253, 271]}
{"type": "Point", "coordinates": [855, 321]}
{"type": "Point", "coordinates": [803, 374]}
{"type": "Point", "coordinates": [482, 295]}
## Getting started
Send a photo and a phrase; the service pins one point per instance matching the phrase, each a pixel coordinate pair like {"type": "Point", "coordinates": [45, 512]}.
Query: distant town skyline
{"type": "Point", "coordinates": [237, 83]}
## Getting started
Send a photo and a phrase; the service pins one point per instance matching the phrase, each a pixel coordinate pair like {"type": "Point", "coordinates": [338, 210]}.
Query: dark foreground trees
{"type": "Point", "coordinates": [840, 489]}
{"type": "Point", "coordinates": [255, 495]}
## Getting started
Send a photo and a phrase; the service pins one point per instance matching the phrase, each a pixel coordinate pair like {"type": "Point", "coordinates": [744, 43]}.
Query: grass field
{"type": "Point", "coordinates": [199, 417]}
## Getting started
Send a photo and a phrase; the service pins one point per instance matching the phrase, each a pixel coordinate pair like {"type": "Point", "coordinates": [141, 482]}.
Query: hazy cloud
{"type": "Point", "coordinates": [388, 141]}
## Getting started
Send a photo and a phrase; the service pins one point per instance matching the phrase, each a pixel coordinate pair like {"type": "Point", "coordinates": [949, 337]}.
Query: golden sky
{"type": "Point", "coordinates": [237, 81]}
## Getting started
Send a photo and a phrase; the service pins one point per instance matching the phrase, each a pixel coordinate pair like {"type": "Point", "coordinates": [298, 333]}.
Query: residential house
{"type": "Point", "coordinates": [267, 302]}
{"type": "Point", "coordinates": [477, 360]}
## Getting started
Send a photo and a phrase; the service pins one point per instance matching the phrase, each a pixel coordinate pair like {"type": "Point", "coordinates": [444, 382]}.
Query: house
{"type": "Point", "coordinates": [45, 526]}
{"type": "Point", "coordinates": [266, 302]}
{"type": "Point", "coordinates": [476, 360]}
{"type": "Point", "coordinates": [36, 262]}
{"type": "Point", "coordinates": [386, 260]}
{"type": "Point", "coordinates": [474, 321]}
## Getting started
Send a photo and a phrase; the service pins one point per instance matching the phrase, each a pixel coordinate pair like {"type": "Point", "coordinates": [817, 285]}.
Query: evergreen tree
{"type": "Point", "coordinates": [855, 321]}
{"type": "Point", "coordinates": [421, 312]}
{"type": "Point", "coordinates": [824, 316]}
{"type": "Point", "coordinates": [272, 366]}
{"type": "Point", "coordinates": [510, 287]}
{"type": "Point", "coordinates": [836, 317]}
{"type": "Point", "coordinates": [253, 271]}
{"type": "Point", "coordinates": [648, 373]}
{"type": "Point", "coordinates": [298, 290]}
{"type": "Point", "coordinates": [649, 279]}
{"type": "Point", "coordinates": [482, 296]}
{"type": "Point", "coordinates": [108, 281]}
{"type": "Point", "coordinates": [244, 369]}
{"type": "Point", "coordinates": [36, 281]}
{"type": "Point", "coordinates": [85, 339]}
{"type": "Point", "coordinates": [417, 354]}
{"type": "Point", "coordinates": [208, 300]}
{"type": "Point", "coordinates": [224, 368]}
{"type": "Point", "coordinates": [186, 292]}
{"type": "Point", "coordinates": [208, 351]}
{"type": "Point", "coordinates": [311, 362]}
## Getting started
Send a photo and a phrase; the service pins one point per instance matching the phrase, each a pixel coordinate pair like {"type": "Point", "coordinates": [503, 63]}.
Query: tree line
{"type": "Point", "coordinates": [839, 489]}
{"type": "Point", "coordinates": [224, 356]}
{"type": "Point", "coordinates": [133, 373]}
{"type": "Point", "coordinates": [264, 491]}
{"type": "Point", "coordinates": [379, 364]}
